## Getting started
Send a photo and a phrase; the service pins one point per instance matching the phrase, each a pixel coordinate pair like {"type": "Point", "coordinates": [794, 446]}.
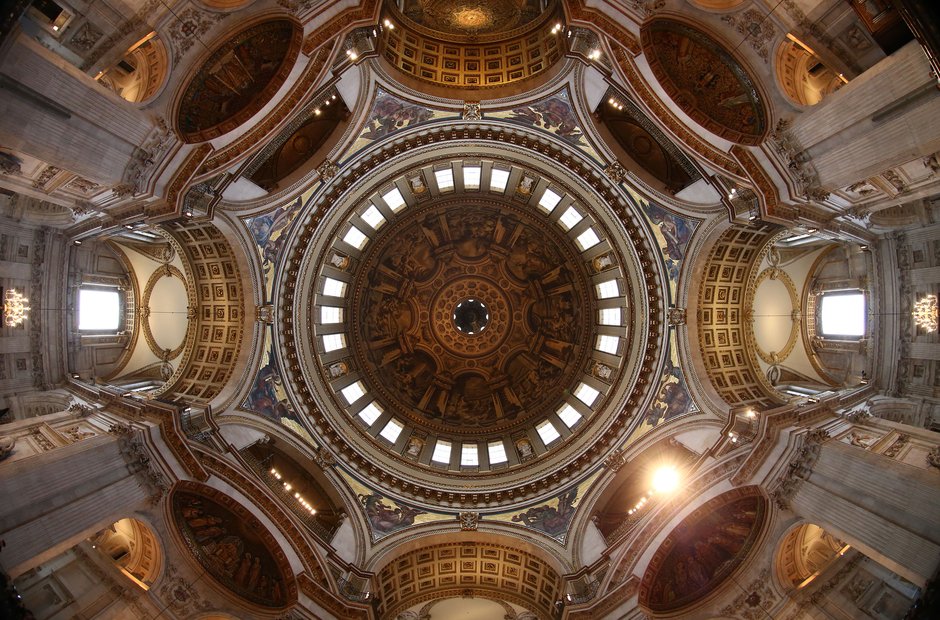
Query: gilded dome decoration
{"type": "Point", "coordinates": [705, 80]}
{"type": "Point", "coordinates": [472, 43]}
{"type": "Point", "coordinates": [471, 314]}
{"type": "Point", "coordinates": [471, 318]}
{"type": "Point", "coordinates": [238, 79]}
{"type": "Point", "coordinates": [472, 17]}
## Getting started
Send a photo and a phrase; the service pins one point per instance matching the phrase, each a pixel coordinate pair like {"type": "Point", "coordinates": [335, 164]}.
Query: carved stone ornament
{"type": "Point", "coordinates": [471, 111]}
{"type": "Point", "coordinates": [138, 460]}
{"type": "Point", "coordinates": [799, 469]}
{"type": "Point", "coordinates": [80, 409]}
{"type": "Point", "coordinates": [895, 448]}
{"type": "Point", "coordinates": [265, 313]}
{"type": "Point", "coordinates": [616, 460]}
{"type": "Point", "coordinates": [615, 172]}
{"type": "Point", "coordinates": [753, 603]}
{"type": "Point", "coordinates": [933, 458]}
{"type": "Point", "coordinates": [676, 316]}
{"type": "Point", "coordinates": [798, 164]}
{"type": "Point", "coordinates": [144, 159]}
{"type": "Point", "coordinates": [468, 521]}
{"type": "Point", "coordinates": [324, 458]}
{"type": "Point", "coordinates": [6, 447]}
{"type": "Point", "coordinates": [180, 594]}
{"type": "Point", "coordinates": [83, 207]}
{"type": "Point", "coordinates": [327, 170]}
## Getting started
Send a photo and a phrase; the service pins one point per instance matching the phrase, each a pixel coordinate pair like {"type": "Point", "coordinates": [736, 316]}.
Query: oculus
{"type": "Point", "coordinates": [471, 316]}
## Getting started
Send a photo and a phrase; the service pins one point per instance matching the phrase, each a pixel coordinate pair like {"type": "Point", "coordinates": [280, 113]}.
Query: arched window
{"type": "Point", "coordinates": [100, 309]}
{"type": "Point", "coordinates": [842, 315]}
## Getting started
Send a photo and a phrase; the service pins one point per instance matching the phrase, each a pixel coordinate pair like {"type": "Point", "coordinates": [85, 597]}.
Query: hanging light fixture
{"type": "Point", "coordinates": [15, 308]}
{"type": "Point", "coordinates": [925, 313]}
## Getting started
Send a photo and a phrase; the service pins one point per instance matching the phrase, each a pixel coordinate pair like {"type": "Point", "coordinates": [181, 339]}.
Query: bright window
{"type": "Point", "coordinates": [499, 179]}
{"type": "Point", "coordinates": [471, 177]}
{"type": "Point", "coordinates": [569, 415]}
{"type": "Point", "coordinates": [355, 238]}
{"type": "Point", "coordinates": [353, 392]}
{"type": "Point", "coordinates": [394, 199]}
{"type": "Point", "coordinates": [608, 344]}
{"type": "Point", "coordinates": [610, 316]}
{"type": "Point", "coordinates": [586, 394]}
{"type": "Point", "coordinates": [549, 200]}
{"type": "Point", "coordinates": [468, 455]}
{"type": "Point", "coordinates": [333, 288]}
{"type": "Point", "coordinates": [570, 218]}
{"type": "Point", "coordinates": [98, 309]}
{"type": "Point", "coordinates": [608, 289]}
{"type": "Point", "coordinates": [392, 430]}
{"type": "Point", "coordinates": [441, 452]}
{"type": "Point", "coordinates": [445, 179]}
{"type": "Point", "coordinates": [330, 314]}
{"type": "Point", "coordinates": [370, 413]}
{"type": "Point", "coordinates": [588, 239]}
{"type": "Point", "coordinates": [497, 452]}
{"type": "Point", "coordinates": [842, 314]}
{"type": "Point", "coordinates": [373, 217]}
{"type": "Point", "coordinates": [547, 432]}
{"type": "Point", "coordinates": [333, 342]}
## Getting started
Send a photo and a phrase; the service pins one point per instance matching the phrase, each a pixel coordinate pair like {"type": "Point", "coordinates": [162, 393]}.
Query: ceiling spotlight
{"type": "Point", "coordinates": [595, 54]}
{"type": "Point", "coordinates": [750, 413]}
{"type": "Point", "coordinates": [665, 479]}
{"type": "Point", "coordinates": [77, 242]}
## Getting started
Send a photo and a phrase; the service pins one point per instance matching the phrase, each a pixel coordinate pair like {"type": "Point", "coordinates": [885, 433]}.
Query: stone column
{"type": "Point", "coordinates": [887, 510]}
{"type": "Point", "coordinates": [54, 112]}
{"type": "Point", "coordinates": [881, 119]}
{"type": "Point", "coordinates": [54, 500]}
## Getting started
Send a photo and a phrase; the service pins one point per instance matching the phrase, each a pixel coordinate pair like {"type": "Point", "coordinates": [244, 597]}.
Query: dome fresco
{"type": "Point", "coordinates": [537, 337]}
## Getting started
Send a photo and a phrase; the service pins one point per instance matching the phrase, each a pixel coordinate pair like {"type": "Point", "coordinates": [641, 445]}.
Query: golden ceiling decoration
{"type": "Point", "coordinates": [472, 44]}
{"type": "Point", "coordinates": [925, 313]}
{"type": "Point", "coordinates": [472, 17]}
{"type": "Point", "coordinates": [472, 315]}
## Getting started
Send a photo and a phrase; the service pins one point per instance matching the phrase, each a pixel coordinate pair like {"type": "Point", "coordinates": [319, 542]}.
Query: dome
{"type": "Point", "coordinates": [540, 265]}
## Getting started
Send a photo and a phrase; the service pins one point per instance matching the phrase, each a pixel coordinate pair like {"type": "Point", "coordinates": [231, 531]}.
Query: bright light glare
{"type": "Point", "coordinates": [843, 315]}
{"type": "Point", "coordinates": [98, 309]}
{"type": "Point", "coordinates": [665, 479]}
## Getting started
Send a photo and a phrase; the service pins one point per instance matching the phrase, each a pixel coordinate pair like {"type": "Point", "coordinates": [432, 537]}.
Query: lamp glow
{"type": "Point", "coordinates": [665, 480]}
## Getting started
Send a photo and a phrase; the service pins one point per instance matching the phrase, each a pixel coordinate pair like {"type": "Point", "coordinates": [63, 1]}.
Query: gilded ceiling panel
{"type": "Point", "coordinates": [238, 79]}
{"type": "Point", "coordinates": [705, 80]}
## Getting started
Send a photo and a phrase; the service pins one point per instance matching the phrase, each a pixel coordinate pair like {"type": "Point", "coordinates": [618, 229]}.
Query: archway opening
{"type": "Point", "coordinates": [133, 548]}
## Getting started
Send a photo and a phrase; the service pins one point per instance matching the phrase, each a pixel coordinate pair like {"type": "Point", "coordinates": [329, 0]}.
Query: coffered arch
{"type": "Point", "coordinates": [482, 563]}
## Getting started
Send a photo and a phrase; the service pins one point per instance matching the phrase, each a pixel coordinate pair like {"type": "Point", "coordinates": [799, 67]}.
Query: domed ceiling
{"type": "Point", "coordinates": [472, 17]}
{"type": "Point", "coordinates": [472, 318]}
{"type": "Point", "coordinates": [471, 315]}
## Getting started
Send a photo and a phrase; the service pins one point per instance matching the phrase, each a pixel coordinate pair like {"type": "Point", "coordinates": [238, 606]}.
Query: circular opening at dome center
{"type": "Point", "coordinates": [471, 316]}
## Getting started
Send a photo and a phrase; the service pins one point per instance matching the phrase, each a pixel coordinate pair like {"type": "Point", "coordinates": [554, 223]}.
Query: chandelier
{"type": "Point", "coordinates": [15, 308]}
{"type": "Point", "coordinates": [925, 313]}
